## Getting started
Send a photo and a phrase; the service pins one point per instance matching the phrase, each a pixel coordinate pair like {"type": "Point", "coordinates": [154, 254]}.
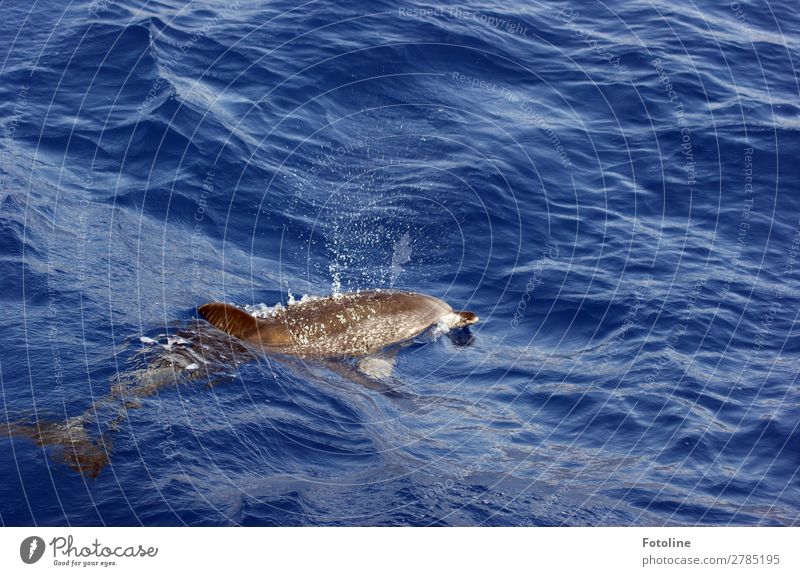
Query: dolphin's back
{"type": "Point", "coordinates": [359, 323]}
{"type": "Point", "coordinates": [353, 324]}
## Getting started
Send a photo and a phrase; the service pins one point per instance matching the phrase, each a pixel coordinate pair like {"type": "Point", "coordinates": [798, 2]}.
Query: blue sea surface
{"type": "Point", "coordinates": [612, 188]}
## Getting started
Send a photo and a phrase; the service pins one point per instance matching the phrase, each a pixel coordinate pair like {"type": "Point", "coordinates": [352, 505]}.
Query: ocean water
{"type": "Point", "coordinates": [613, 189]}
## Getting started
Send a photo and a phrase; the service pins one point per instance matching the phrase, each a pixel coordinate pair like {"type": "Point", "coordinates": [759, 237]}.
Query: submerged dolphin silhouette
{"type": "Point", "coordinates": [190, 355]}
{"type": "Point", "coordinates": [353, 325]}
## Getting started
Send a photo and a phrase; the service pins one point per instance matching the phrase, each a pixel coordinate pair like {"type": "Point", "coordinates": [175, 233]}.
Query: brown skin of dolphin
{"type": "Point", "coordinates": [345, 325]}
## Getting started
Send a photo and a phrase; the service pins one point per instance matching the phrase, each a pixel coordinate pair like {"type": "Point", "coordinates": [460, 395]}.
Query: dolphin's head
{"type": "Point", "coordinates": [465, 319]}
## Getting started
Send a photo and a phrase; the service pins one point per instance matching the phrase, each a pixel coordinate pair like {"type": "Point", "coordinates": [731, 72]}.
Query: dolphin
{"type": "Point", "coordinates": [349, 325]}
{"type": "Point", "coordinates": [352, 325]}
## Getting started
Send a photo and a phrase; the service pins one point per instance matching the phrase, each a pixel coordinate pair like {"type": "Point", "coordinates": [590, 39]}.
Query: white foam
{"type": "Point", "coordinates": [266, 311]}
{"type": "Point", "coordinates": [175, 341]}
{"type": "Point", "coordinates": [263, 310]}
{"type": "Point", "coordinates": [305, 298]}
{"type": "Point", "coordinates": [446, 323]}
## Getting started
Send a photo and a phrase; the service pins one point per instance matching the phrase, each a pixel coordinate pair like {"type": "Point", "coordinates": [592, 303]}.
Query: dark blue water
{"type": "Point", "coordinates": [613, 190]}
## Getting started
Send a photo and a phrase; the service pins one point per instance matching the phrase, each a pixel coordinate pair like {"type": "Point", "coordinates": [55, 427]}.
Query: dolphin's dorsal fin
{"type": "Point", "coordinates": [230, 319]}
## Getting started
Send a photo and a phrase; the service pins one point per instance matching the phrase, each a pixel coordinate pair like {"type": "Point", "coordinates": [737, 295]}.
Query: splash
{"type": "Point", "coordinates": [445, 324]}
{"type": "Point", "coordinates": [401, 254]}
{"type": "Point", "coordinates": [263, 310]}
